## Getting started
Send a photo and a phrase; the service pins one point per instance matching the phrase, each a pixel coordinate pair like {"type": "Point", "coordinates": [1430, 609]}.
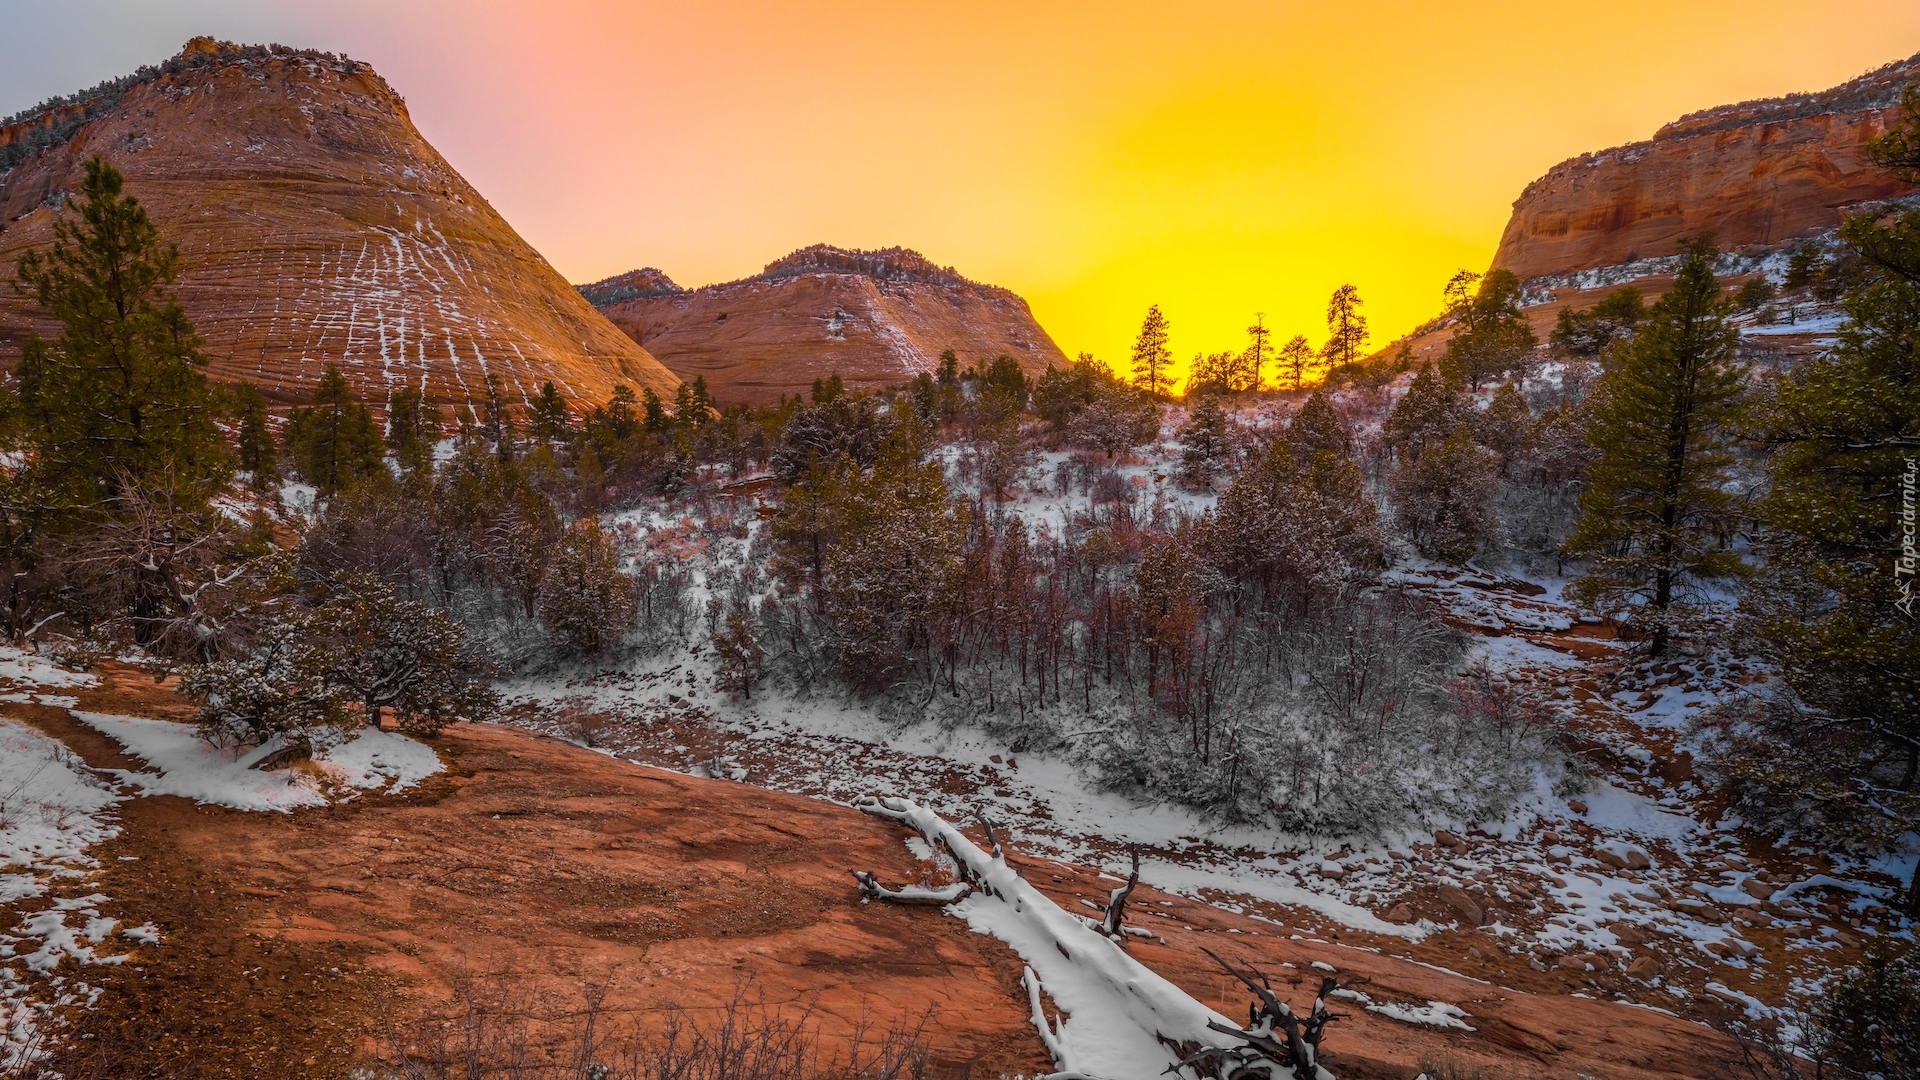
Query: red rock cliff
{"type": "Point", "coordinates": [1758, 173]}
{"type": "Point", "coordinates": [316, 225]}
{"type": "Point", "coordinates": [875, 317]}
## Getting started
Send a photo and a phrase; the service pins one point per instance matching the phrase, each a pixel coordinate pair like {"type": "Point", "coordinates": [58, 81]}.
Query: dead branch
{"type": "Point", "coordinates": [1110, 922]}
{"type": "Point", "coordinates": [871, 889]}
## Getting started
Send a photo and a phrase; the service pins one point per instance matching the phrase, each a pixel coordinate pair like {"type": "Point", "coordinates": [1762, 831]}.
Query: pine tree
{"type": "Point", "coordinates": [1656, 504]}
{"type": "Point", "coordinates": [1838, 595]}
{"type": "Point", "coordinates": [1254, 360]}
{"type": "Point", "coordinates": [1346, 329]}
{"type": "Point", "coordinates": [411, 427]}
{"type": "Point", "coordinates": [1444, 499]}
{"type": "Point", "coordinates": [1588, 333]}
{"type": "Point", "coordinates": [1505, 426]}
{"type": "Point", "coordinates": [1296, 356]}
{"type": "Point", "coordinates": [1429, 413]}
{"type": "Point", "coordinates": [1493, 337]}
{"type": "Point", "coordinates": [585, 599]}
{"type": "Point", "coordinates": [703, 407]}
{"type": "Point", "coordinates": [1317, 427]}
{"type": "Point", "coordinates": [1899, 148]}
{"type": "Point", "coordinates": [333, 442]}
{"type": "Point", "coordinates": [256, 450]}
{"type": "Point", "coordinates": [1152, 359]}
{"type": "Point", "coordinates": [496, 419]}
{"type": "Point", "coordinates": [118, 399]}
{"type": "Point", "coordinates": [548, 414]}
{"type": "Point", "coordinates": [1204, 443]}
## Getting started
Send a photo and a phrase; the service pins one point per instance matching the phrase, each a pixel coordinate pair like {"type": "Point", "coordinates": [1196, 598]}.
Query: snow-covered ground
{"type": "Point", "coordinates": [181, 764]}
{"type": "Point", "coordinates": [54, 809]}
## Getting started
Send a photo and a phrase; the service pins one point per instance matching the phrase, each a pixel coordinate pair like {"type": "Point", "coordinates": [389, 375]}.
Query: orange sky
{"type": "Point", "coordinates": [1215, 158]}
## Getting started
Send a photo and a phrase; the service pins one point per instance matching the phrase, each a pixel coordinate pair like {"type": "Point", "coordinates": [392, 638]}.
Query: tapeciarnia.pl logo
{"type": "Point", "coordinates": [1908, 561]}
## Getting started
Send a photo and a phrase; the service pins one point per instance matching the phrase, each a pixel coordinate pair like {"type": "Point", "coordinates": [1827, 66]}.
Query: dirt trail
{"type": "Point", "coordinates": [286, 939]}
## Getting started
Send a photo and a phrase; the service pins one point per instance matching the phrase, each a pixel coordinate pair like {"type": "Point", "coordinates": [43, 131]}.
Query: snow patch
{"type": "Point", "coordinates": [193, 768]}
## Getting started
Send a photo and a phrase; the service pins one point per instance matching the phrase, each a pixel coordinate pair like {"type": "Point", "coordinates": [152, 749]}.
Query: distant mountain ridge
{"type": "Point", "coordinates": [875, 318]}
{"type": "Point", "coordinates": [1760, 174]}
{"type": "Point", "coordinates": [315, 225]}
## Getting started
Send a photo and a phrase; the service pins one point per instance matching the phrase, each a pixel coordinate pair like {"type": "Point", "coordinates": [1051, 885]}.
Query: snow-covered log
{"type": "Point", "coordinates": [1122, 1021]}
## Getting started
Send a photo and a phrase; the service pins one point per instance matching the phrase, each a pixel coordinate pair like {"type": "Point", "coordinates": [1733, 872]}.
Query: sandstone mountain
{"type": "Point", "coordinates": [1758, 173]}
{"type": "Point", "coordinates": [315, 225]}
{"type": "Point", "coordinates": [875, 317]}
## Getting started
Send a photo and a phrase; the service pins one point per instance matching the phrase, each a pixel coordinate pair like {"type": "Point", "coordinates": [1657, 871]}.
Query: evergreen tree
{"type": "Point", "coordinates": [1317, 427]}
{"type": "Point", "coordinates": [1656, 506]}
{"type": "Point", "coordinates": [1493, 337]}
{"type": "Point", "coordinates": [1204, 443]}
{"type": "Point", "coordinates": [686, 410]}
{"type": "Point", "coordinates": [1254, 360]}
{"type": "Point", "coordinates": [1152, 359]}
{"type": "Point", "coordinates": [411, 427]}
{"type": "Point", "coordinates": [1429, 413]}
{"type": "Point", "coordinates": [496, 419]}
{"type": "Point", "coordinates": [832, 388]}
{"type": "Point", "coordinates": [118, 399]}
{"type": "Point", "coordinates": [333, 442]}
{"type": "Point", "coordinates": [1588, 333]}
{"type": "Point", "coordinates": [1505, 426]}
{"type": "Point", "coordinates": [1214, 373]}
{"type": "Point", "coordinates": [623, 422]}
{"type": "Point", "coordinates": [1444, 499]}
{"type": "Point", "coordinates": [703, 407]}
{"type": "Point", "coordinates": [257, 452]}
{"type": "Point", "coordinates": [549, 416]}
{"type": "Point", "coordinates": [1899, 148]}
{"type": "Point", "coordinates": [585, 599]}
{"type": "Point", "coordinates": [1838, 595]}
{"type": "Point", "coordinates": [1296, 356]}
{"type": "Point", "coordinates": [1346, 329]}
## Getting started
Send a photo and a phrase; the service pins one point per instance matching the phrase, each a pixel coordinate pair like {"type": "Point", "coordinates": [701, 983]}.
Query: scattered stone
{"type": "Point", "coordinates": [1643, 967]}
{"type": "Point", "coordinates": [1577, 806]}
{"type": "Point", "coordinates": [1457, 899]}
{"type": "Point", "coordinates": [1757, 889]}
{"type": "Point", "coordinates": [1401, 914]}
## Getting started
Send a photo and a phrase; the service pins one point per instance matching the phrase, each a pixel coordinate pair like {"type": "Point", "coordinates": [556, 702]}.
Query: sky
{"type": "Point", "coordinates": [1218, 159]}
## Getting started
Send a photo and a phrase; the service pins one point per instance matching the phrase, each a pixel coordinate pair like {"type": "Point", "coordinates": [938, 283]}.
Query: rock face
{"type": "Point", "coordinates": [875, 317]}
{"type": "Point", "coordinates": [1757, 173]}
{"type": "Point", "coordinates": [315, 225]}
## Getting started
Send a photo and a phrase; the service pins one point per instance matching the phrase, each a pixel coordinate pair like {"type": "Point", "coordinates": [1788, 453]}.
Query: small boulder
{"type": "Point", "coordinates": [1758, 889]}
{"type": "Point", "coordinates": [1577, 806]}
{"type": "Point", "coordinates": [1643, 967]}
{"type": "Point", "coordinates": [1457, 899]}
{"type": "Point", "coordinates": [1401, 914]}
{"type": "Point", "coordinates": [1445, 839]}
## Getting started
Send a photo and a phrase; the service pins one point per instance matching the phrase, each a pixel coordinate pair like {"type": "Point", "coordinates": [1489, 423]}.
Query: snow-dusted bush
{"type": "Point", "coordinates": [585, 600]}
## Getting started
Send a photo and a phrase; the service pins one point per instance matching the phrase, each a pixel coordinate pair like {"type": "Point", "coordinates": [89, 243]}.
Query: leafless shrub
{"type": "Point", "coordinates": [494, 1029]}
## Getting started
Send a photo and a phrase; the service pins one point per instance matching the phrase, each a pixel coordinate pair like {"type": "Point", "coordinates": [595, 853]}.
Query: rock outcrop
{"type": "Point", "coordinates": [875, 317]}
{"type": "Point", "coordinates": [315, 225]}
{"type": "Point", "coordinates": [1759, 174]}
